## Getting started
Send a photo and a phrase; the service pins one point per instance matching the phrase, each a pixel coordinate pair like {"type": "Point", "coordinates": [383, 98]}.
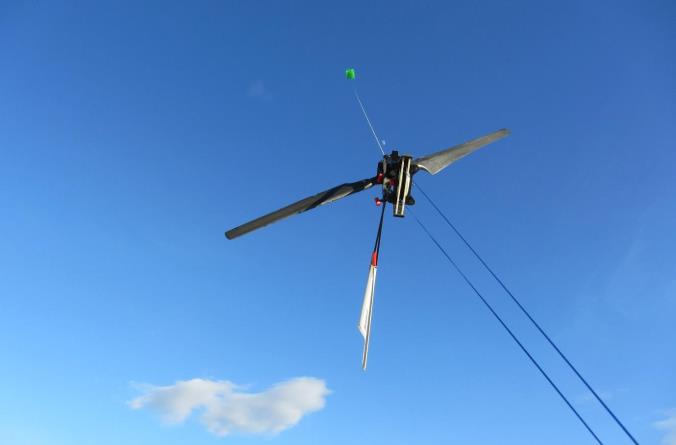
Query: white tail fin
{"type": "Point", "coordinates": [367, 312]}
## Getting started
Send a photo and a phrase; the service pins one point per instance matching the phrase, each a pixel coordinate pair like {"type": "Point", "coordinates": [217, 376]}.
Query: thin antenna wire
{"type": "Point", "coordinates": [527, 314]}
{"type": "Point", "coordinates": [363, 110]}
{"type": "Point", "coordinates": [509, 331]}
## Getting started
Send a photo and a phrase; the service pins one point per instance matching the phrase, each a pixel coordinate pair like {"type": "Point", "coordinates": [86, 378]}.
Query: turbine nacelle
{"type": "Point", "coordinates": [394, 173]}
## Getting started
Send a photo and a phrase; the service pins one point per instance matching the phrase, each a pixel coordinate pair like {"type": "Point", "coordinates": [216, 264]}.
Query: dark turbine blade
{"type": "Point", "coordinates": [311, 202]}
{"type": "Point", "coordinates": [438, 161]}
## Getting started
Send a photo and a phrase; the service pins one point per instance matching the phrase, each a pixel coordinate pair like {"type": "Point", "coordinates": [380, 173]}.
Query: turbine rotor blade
{"type": "Point", "coordinates": [303, 205]}
{"type": "Point", "coordinates": [438, 161]}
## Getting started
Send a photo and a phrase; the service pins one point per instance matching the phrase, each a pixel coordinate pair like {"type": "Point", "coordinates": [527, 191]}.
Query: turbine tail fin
{"type": "Point", "coordinates": [367, 312]}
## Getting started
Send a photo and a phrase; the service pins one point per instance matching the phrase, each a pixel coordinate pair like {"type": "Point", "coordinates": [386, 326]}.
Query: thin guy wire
{"type": "Point", "coordinates": [363, 110]}
{"type": "Point", "coordinates": [509, 331]}
{"type": "Point", "coordinates": [527, 314]}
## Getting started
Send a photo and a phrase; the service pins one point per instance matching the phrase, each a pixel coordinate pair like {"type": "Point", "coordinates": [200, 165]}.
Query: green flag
{"type": "Point", "coordinates": [349, 74]}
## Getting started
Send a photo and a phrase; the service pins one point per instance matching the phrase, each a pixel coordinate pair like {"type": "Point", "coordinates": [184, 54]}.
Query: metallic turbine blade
{"type": "Point", "coordinates": [436, 162]}
{"type": "Point", "coordinates": [311, 202]}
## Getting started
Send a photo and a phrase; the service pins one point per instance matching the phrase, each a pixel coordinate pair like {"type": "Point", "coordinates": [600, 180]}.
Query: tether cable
{"type": "Point", "coordinates": [527, 314]}
{"type": "Point", "coordinates": [363, 110]}
{"type": "Point", "coordinates": [376, 247]}
{"type": "Point", "coordinates": [509, 331]}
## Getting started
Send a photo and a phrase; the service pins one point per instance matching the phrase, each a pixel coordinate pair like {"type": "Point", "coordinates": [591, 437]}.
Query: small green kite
{"type": "Point", "coordinates": [349, 74]}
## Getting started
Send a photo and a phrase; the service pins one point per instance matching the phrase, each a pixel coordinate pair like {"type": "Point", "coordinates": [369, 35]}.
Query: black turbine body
{"type": "Point", "coordinates": [394, 174]}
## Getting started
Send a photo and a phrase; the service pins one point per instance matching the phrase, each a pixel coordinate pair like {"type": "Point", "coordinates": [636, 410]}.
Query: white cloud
{"type": "Point", "coordinates": [668, 425]}
{"type": "Point", "coordinates": [227, 409]}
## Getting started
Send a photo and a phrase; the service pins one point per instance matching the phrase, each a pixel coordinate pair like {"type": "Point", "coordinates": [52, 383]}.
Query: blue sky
{"type": "Point", "coordinates": [132, 136]}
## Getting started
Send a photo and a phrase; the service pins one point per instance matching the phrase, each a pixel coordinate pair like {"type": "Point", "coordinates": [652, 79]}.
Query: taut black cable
{"type": "Point", "coordinates": [509, 331]}
{"type": "Point", "coordinates": [527, 314]}
{"type": "Point", "coordinates": [376, 248]}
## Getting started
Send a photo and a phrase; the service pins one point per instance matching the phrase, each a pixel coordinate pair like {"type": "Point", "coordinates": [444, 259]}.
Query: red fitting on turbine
{"type": "Point", "coordinates": [379, 178]}
{"type": "Point", "coordinates": [374, 259]}
{"type": "Point", "coordinates": [378, 201]}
